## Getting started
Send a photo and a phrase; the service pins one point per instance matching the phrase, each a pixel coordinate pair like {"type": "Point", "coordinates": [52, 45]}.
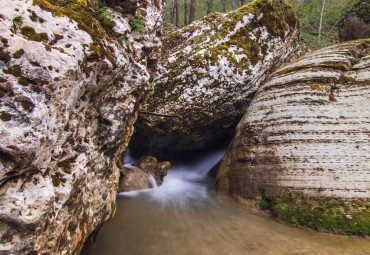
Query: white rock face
{"type": "Point", "coordinates": [209, 73]}
{"type": "Point", "coordinates": [306, 136]}
{"type": "Point", "coordinates": [68, 101]}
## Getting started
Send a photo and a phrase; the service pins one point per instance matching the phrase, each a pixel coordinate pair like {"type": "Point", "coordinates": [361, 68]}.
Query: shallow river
{"type": "Point", "coordinates": [184, 216]}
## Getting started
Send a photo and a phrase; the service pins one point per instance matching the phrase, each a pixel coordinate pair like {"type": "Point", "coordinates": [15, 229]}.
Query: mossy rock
{"type": "Point", "coordinates": [209, 73]}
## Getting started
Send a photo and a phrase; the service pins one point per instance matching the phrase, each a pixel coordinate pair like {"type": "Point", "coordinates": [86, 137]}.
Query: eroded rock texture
{"type": "Point", "coordinates": [72, 77]}
{"type": "Point", "coordinates": [303, 144]}
{"type": "Point", "coordinates": [209, 73]}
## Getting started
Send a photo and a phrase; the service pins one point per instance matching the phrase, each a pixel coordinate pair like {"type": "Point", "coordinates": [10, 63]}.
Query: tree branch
{"type": "Point", "coordinates": [159, 114]}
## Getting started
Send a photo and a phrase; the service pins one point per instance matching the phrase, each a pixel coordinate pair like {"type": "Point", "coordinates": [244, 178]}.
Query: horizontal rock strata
{"type": "Point", "coordinates": [302, 148]}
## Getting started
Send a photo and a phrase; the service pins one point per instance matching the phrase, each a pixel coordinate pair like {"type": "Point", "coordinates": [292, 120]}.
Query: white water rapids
{"type": "Point", "coordinates": [184, 217]}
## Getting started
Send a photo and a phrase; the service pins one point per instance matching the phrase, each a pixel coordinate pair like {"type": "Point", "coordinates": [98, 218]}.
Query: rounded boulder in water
{"type": "Point", "coordinates": [135, 179]}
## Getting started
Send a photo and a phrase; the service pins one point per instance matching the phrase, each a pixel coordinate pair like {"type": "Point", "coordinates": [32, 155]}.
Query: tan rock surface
{"type": "Point", "coordinates": [303, 145]}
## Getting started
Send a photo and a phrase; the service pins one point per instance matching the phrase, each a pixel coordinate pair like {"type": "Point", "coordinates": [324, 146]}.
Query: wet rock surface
{"type": "Point", "coordinates": [209, 73]}
{"type": "Point", "coordinates": [135, 179]}
{"type": "Point", "coordinates": [151, 165]}
{"type": "Point", "coordinates": [71, 83]}
{"type": "Point", "coordinates": [302, 147]}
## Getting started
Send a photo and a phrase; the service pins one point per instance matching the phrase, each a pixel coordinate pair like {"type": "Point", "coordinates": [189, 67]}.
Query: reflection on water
{"type": "Point", "coordinates": [183, 216]}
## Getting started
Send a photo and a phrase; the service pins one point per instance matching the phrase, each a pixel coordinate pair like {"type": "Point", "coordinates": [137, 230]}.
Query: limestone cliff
{"type": "Point", "coordinates": [302, 148]}
{"type": "Point", "coordinates": [209, 72]}
{"type": "Point", "coordinates": [72, 78]}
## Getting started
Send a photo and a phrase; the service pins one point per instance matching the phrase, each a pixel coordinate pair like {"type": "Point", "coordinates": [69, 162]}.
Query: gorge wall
{"type": "Point", "coordinates": [72, 78]}
{"type": "Point", "coordinates": [302, 149]}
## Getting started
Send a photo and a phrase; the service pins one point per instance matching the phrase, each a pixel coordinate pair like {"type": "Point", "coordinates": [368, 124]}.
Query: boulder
{"type": "Point", "coordinates": [72, 78]}
{"type": "Point", "coordinates": [209, 73]}
{"type": "Point", "coordinates": [302, 148]}
{"type": "Point", "coordinates": [151, 165]}
{"type": "Point", "coordinates": [356, 24]}
{"type": "Point", "coordinates": [135, 179]}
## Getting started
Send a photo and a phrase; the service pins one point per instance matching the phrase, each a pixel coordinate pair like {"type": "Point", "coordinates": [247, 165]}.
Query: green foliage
{"type": "Point", "coordinates": [137, 24]}
{"type": "Point", "coordinates": [124, 41]}
{"type": "Point", "coordinates": [264, 205]}
{"type": "Point", "coordinates": [312, 40]}
{"type": "Point", "coordinates": [122, 38]}
{"type": "Point", "coordinates": [17, 21]}
{"type": "Point", "coordinates": [362, 8]}
{"type": "Point", "coordinates": [309, 13]}
{"type": "Point", "coordinates": [64, 2]}
{"type": "Point", "coordinates": [105, 16]}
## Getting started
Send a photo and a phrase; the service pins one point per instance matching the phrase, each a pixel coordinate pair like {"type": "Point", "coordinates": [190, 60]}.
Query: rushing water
{"type": "Point", "coordinates": [184, 217]}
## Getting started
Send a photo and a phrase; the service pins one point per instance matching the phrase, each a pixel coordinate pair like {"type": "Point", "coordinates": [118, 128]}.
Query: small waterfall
{"type": "Point", "coordinates": [152, 181]}
{"type": "Point", "coordinates": [130, 166]}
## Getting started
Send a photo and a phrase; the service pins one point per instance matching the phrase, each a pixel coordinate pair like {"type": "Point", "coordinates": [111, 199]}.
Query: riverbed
{"type": "Point", "coordinates": [185, 216]}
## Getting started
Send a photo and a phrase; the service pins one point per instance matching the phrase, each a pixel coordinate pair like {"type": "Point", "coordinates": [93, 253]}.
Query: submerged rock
{"type": "Point", "coordinates": [209, 73]}
{"type": "Point", "coordinates": [302, 148]}
{"type": "Point", "coordinates": [151, 165]}
{"type": "Point", "coordinates": [72, 78]}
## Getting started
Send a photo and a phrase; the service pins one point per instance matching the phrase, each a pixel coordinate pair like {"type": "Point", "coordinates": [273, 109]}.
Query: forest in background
{"type": "Point", "coordinates": [309, 11]}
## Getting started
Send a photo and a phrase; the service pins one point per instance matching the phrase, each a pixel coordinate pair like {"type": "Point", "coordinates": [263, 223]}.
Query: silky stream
{"type": "Point", "coordinates": [184, 216]}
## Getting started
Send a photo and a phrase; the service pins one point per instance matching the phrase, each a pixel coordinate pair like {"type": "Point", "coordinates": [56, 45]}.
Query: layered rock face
{"type": "Point", "coordinates": [72, 78]}
{"type": "Point", "coordinates": [302, 148]}
{"type": "Point", "coordinates": [209, 73]}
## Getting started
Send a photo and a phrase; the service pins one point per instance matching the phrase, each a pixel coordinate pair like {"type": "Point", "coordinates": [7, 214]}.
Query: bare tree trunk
{"type": "Point", "coordinates": [223, 5]}
{"type": "Point", "coordinates": [232, 4]}
{"type": "Point", "coordinates": [186, 12]}
{"type": "Point", "coordinates": [193, 6]}
{"type": "Point", "coordinates": [322, 14]}
{"type": "Point", "coordinates": [210, 3]}
{"type": "Point", "coordinates": [300, 7]}
{"type": "Point", "coordinates": [242, 2]}
{"type": "Point", "coordinates": [177, 13]}
{"type": "Point", "coordinates": [172, 11]}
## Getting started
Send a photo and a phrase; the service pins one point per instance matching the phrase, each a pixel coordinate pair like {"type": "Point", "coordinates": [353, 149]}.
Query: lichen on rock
{"type": "Point", "coordinates": [209, 72]}
{"type": "Point", "coordinates": [70, 92]}
{"type": "Point", "coordinates": [302, 148]}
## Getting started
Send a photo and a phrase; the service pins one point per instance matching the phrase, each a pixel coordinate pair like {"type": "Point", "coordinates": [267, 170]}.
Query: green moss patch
{"type": "Point", "coordinates": [57, 179]}
{"type": "Point", "coordinates": [276, 16]}
{"type": "Point", "coordinates": [335, 215]}
{"type": "Point", "coordinates": [18, 54]}
{"type": "Point", "coordinates": [65, 166]}
{"type": "Point", "coordinates": [14, 70]}
{"type": "Point", "coordinates": [85, 13]}
{"type": "Point", "coordinates": [30, 34]}
{"type": "Point", "coordinates": [28, 106]}
{"type": "Point", "coordinates": [4, 56]}
{"type": "Point", "coordinates": [5, 116]}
